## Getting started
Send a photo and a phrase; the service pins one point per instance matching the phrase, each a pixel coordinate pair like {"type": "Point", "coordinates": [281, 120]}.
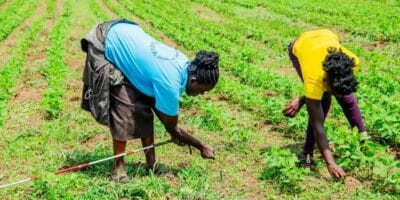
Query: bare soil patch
{"type": "Point", "coordinates": [5, 4]}
{"type": "Point", "coordinates": [7, 45]}
{"type": "Point", "coordinates": [351, 184]}
{"type": "Point", "coordinates": [28, 94]}
{"type": "Point", "coordinates": [378, 45]}
{"type": "Point", "coordinates": [207, 13]}
{"type": "Point", "coordinates": [36, 57]}
{"type": "Point", "coordinates": [24, 105]}
{"type": "Point", "coordinates": [106, 9]}
{"type": "Point", "coordinates": [76, 63]}
{"type": "Point", "coordinates": [395, 152]}
{"type": "Point", "coordinates": [285, 71]}
{"type": "Point", "coordinates": [270, 94]}
{"type": "Point", "coordinates": [257, 12]}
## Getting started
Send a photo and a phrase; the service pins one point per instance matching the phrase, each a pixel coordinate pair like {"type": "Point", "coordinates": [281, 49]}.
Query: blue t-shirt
{"type": "Point", "coordinates": [153, 68]}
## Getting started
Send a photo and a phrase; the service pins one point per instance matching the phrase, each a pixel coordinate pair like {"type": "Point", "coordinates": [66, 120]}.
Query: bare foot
{"type": "Point", "coordinates": [207, 152]}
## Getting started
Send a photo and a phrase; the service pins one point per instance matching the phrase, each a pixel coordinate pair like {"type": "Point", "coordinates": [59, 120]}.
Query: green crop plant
{"type": "Point", "coordinates": [13, 66]}
{"type": "Point", "coordinates": [56, 68]}
{"type": "Point", "coordinates": [282, 170]}
{"type": "Point", "coordinates": [98, 11]}
{"type": "Point", "coordinates": [368, 159]}
{"type": "Point", "coordinates": [14, 14]}
{"type": "Point", "coordinates": [243, 111]}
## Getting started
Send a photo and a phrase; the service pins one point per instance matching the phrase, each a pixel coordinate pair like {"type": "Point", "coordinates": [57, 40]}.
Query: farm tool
{"type": "Point", "coordinates": [85, 165]}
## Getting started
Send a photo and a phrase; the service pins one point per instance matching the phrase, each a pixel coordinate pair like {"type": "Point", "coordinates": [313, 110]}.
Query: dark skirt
{"type": "Point", "coordinates": [131, 113]}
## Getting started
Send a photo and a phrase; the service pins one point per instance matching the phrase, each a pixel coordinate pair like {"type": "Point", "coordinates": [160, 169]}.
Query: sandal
{"type": "Point", "coordinates": [119, 175]}
{"type": "Point", "coordinates": [306, 161]}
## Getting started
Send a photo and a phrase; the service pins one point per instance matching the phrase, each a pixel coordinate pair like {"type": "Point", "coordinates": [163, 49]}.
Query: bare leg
{"type": "Point", "coordinates": [119, 174]}
{"type": "Point", "coordinates": [119, 147]}
{"type": "Point", "coordinates": [310, 140]}
{"type": "Point", "coordinates": [149, 153]}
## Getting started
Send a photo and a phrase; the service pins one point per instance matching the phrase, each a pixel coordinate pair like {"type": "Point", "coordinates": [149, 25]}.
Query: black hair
{"type": "Point", "coordinates": [205, 67]}
{"type": "Point", "coordinates": [339, 68]}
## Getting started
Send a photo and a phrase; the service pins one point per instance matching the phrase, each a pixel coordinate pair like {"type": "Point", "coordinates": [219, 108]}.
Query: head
{"type": "Point", "coordinates": [203, 73]}
{"type": "Point", "coordinates": [339, 72]}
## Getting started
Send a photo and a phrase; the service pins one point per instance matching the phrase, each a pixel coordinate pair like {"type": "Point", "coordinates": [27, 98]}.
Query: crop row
{"type": "Point", "coordinates": [251, 101]}
{"type": "Point", "coordinates": [56, 68]}
{"type": "Point", "coordinates": [373, 19]}
{"type": "Point", "coordinates": [98, 11]}
{"type": "Point", "coordinates": [11, 70]}
{"type": "Point", "coordinates": [242, 65]}
{"type": "Point", "coordinates": [14, 14]}
{"type": "Point", "coordinates": [211, 118]}
{"type": "Point", "coordinates": [281, 30]}
{"type": "Point", "coordinates": [237, 132]}
{"type": "Point", "coordinates": [384, 84]}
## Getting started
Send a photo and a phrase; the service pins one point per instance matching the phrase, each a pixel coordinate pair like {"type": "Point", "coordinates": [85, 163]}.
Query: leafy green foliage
{"type": "Point", "coordinates": [281, 168]}
{"type": "Point", "coordinates": [56, 68]}
{"type": "Point", "coordinates": [367, 159]}
{"type": "Point", "coordinates": [11, 70]}
{"type": "Point", "coordinates": [14, 14]}
{"type": "Point", "coordinates": [251, 37]}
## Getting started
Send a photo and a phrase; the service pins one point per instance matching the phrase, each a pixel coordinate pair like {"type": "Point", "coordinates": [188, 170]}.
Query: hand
{"type": "Point", "coordinates": [336, 171]}
{"type": "Point", "coordinates": [293, 107]}
{"type": "Point", "coordinates": [207, 152]}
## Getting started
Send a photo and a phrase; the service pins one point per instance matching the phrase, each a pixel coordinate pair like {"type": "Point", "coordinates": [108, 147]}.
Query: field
{"type": "Point", "coordinates": [43, 127]}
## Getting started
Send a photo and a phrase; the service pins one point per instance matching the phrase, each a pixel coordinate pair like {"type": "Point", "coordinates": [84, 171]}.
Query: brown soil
{"type": "Point", "coordinates": [257, 12]}
{"type": "Point", "coordinates": [395, 152]}
{"type": "Point", "coordinates": [107, 10]}
{"type": "Point", "coordinates": [207, 13]}
{"type": "Point", "coordinates": [7, 45]}
{"type": "Point", "coordinates": [90, 143]}
{"type": "Point", "coordinates": [29, 90]}
{"type": "Point", "coordinates": [96, 139]}
{"type": "Point", "coordinates": [324, 173]}
{"type": "Point", "coordinates": [28, 94]}
{"type": "Point", "coordinates": [285, 71]}
{"type": "Point", "coordinates": [76, 64]}
{"type": "Point", "coordinates": [375, 45]}
{"type": "Point", "coordinates": [270, 94]}
{"type": "Point", "coordinates": [36, 56]}
{"type": "Point", "coordinates": [351, 184]}
{"type": "Point", "coordinates": [5, 4]}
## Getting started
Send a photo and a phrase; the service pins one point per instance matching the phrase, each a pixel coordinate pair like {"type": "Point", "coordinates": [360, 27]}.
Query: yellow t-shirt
{"type": "Point", "coordinates": [311, 48]}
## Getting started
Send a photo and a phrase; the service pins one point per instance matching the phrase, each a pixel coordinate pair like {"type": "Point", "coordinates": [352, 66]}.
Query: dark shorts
{"type": "Point", "coordinates": [131, 114]}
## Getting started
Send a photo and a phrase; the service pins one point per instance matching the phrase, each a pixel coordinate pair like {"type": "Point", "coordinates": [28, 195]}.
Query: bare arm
{"type": "Point", "coordinates": [317, 123]}
{"type": "Point", "coordinates": [294, 106]}
{"type": "Point", "coordinates": [171, 125]}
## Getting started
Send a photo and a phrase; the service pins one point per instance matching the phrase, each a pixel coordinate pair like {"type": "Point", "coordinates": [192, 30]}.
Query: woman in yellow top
{"type": "Point", "coordinates": [326, 68]}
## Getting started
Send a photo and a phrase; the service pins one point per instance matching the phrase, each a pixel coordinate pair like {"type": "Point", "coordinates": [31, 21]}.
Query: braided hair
{"type": "Point", "coordinates": [339, 68]}
{"type": "Point", "coordinates": [205, 67]}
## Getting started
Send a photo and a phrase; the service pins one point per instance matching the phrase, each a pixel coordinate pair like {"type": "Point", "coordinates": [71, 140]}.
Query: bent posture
{"type": "Point", "coordinates": [326, 68]}
{"type": "Point", "coordinates": [154, 76]}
